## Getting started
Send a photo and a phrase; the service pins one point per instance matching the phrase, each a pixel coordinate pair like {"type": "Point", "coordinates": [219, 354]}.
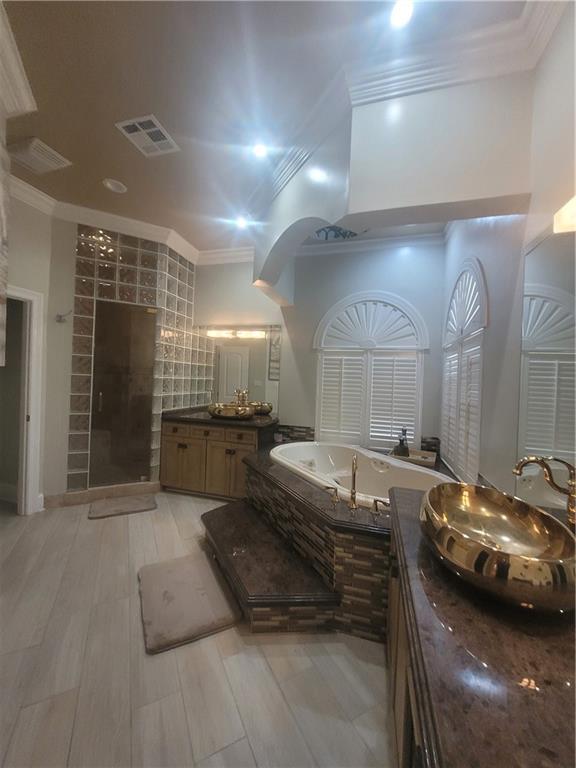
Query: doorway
{"type": "Point", "coordinates": [122, 387]}
{"type": "Point", "coordinates": [12, 402]}
{"type": "Point", "coordinates": [233, 364]}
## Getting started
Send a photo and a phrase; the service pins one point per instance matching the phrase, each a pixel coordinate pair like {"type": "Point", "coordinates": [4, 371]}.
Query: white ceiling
{"type": "Point", "coordinates": [218, 76]}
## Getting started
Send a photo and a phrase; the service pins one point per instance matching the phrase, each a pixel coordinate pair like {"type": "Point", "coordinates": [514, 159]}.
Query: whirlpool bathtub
{"type": "Point", "coordinates": [330, 465]}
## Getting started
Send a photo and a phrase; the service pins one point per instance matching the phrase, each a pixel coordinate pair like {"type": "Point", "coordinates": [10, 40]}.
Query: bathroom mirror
{"type": "Point", "coordinates": [547, 382]}
{"type": "Point", "coordinates": [246, 358]}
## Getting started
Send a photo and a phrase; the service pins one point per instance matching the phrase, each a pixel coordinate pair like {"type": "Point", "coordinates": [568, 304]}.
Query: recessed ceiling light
{"type": "Point", "coordinates": [260, 150]}
{"type": "Point", "coordinates": [401, 13]}
{"type": "Point", "coordinates": [115, 186]}
{"type": "Point", "coordinates": [318, 175]}
{"type": "Point", "coordinates": [241, 222]}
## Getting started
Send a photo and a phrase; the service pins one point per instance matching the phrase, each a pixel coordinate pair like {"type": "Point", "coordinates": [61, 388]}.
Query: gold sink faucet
{"type": "Point", "coordinates": [352, 505]}
{"type": "Point", "coordinates": [570, 491]}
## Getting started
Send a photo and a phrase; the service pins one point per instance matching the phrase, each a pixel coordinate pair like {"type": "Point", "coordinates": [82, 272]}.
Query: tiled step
{"type": "Point", "coordinates": [275, 586]}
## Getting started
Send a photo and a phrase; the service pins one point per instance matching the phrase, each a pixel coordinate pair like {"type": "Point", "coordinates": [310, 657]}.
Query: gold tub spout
{"type": "Point", "coordinates": [352, 505]}
{"type": "Point", "coordinates": [570, 491]}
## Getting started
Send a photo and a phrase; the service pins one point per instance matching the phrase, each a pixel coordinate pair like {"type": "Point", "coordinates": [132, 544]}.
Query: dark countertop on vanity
{"type": "Point", "coordinates": [201, 417]}
{"type": "Point", "coordinates": [317, 500]}
{"type": "Point", "coordinates": [495, 684]}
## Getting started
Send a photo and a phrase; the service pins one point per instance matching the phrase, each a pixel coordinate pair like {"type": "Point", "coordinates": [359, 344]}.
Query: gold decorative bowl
{"type": "Point", "coordinates": [261, 408]}
{"type": "Point", "coordinates": [502, 545]}
{"type": "Point", "coordinates": [230, 411]}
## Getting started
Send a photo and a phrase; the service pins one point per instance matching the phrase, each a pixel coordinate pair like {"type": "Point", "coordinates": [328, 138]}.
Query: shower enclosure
{"type": "Point", "coordinates": [122, 389]}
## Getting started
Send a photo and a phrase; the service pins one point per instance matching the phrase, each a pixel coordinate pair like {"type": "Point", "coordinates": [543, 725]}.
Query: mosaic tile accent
{"type": "Point", "coordinates": [356, 566]}
{"type": "Point", "coordinates": [111, 266]}
{"type": "Point", "coordinates": [304, 618]}
{"type": "Point", "coordinates": [290, 432]}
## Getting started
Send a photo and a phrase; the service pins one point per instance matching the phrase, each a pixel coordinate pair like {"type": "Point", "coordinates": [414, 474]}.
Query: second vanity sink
{"type": "Point", "coordinates": [230, 411]}
{"type": "Point", "coordinates": [502, 545]}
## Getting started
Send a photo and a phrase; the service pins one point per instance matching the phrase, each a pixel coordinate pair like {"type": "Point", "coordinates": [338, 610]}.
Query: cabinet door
{"type": "Point", "coordinates": [193, 464]}
{"type": "Point", "coordinates": [217, 467]}
{"type": "Point", "coordinates": [238, 471]}
{"type": "Point", "coordinates": [170, 462]}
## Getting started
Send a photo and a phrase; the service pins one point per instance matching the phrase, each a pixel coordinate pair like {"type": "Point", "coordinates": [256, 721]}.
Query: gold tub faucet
{"type": "Point", "coordinates": [352, 505]}
{"type": "Point", "coordinates": [570, 491]}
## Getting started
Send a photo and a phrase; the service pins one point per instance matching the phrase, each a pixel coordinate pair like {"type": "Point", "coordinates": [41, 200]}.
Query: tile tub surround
{"type": "Point", "coordinates": [504, 676]}
{"type": "Point", "coordinates": [352, 556]}
{"type": "Point", "coordinates": [292, 433]}
{"type": "Point", "coordinates": [278, 590]}
{"type": "Point", "coordinates": [111, 266]}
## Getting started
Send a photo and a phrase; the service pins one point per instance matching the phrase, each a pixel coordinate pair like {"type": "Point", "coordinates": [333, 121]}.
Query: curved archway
{"type": "Point", "coordinates": [370, 320]}
{"type": "Point", "coordinates": [468, 308]}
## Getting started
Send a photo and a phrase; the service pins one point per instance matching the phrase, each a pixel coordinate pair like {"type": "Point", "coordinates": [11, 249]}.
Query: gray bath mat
{"type": "Point", "coordinates": [122, 505]}
{"type": "Point", "coordinates": [183, 600]}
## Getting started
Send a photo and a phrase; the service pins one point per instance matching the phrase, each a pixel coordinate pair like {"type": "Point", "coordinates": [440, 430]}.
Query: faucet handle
{"type": "Point", "coordinates": [570, 467]}
{"type": "Point", "coordinates": [375, 511]}
{"type": "Point", "coordinates": [333, 492]}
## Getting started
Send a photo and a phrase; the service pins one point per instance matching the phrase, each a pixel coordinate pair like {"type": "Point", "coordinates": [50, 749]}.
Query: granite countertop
{"type": "Point", "coordinates": [317, 500]}
{"type": "Point", "coordinates": [192, 416]}
{"type": "Point", "coordinates": [495, 684]}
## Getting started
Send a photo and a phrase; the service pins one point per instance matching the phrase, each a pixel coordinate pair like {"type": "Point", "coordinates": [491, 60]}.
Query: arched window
{"type": "Point", "coordinates": [369, 370]}
{"type": "Point", "coordinates": [462, 372]}
{"type": "Point", "coordinates": [547, 390]}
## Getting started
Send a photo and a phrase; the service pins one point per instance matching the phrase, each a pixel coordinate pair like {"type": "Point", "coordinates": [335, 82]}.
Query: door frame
{"type": "Point", "coordinates": [30, 496]}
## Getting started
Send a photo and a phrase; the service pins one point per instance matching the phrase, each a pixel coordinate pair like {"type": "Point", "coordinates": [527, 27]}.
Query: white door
{"type": "Point", "coordinates": [233, 371]}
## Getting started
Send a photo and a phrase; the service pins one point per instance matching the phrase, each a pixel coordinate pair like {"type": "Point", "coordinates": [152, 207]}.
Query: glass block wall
{"type": "Point", "coordinates": [114, 267]}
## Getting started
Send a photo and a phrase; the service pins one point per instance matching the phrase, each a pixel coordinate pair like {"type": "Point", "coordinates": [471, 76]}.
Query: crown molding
{"type": "Point", "coordinates": [16, 97]}
{"type": "Point", "coordinates": [500, 49]}
{"type": "Point", "coordinates": [369, 245]}
{"type": "Point", "coordinates": [26, 193]}
{"type": "Point", "coordinates": [33, 197]}
{"type": "Point", "coordinates": [332, 107]}
{"type": "Point", "coordinates": [226, 256]}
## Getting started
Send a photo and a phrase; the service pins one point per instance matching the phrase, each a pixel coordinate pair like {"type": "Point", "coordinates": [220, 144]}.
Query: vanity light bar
{"type": "Point", "coordinates": [235, 334]}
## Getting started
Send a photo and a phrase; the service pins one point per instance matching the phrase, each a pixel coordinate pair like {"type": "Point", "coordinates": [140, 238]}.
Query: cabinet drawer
{"type": "Point", "coordinates": [178, 430]}
{"type": "Point", "coordinates": [241, 436]}
{"type": "Point", "coordinates": [209, 433]}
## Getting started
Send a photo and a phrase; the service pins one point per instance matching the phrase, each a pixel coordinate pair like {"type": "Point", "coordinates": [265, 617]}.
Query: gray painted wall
{"type": "Point", "coordinates": [224, 295]}
{"type": "Point", "coordinates": [414, 271]}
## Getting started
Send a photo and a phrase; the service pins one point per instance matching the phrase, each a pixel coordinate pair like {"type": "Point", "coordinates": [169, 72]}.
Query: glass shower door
{"type": "Point", "coordinates": [122, 386]}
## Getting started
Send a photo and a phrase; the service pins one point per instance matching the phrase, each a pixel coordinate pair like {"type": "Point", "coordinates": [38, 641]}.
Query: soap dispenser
{"type": "Point", "coordinates": [402, 448]}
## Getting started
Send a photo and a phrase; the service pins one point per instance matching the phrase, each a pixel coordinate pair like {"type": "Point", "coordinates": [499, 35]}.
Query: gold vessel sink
{"type": "Point", "coordinates": [261, 408]}
{"type": "Point", "coordinates": [502, 545]}
{"type": "Point", "coordinates": [230, 411]}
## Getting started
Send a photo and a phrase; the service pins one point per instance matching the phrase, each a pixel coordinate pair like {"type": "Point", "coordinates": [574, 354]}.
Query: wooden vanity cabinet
{"type": "Point", "coordinates": [183, 463]}
{"type": "Point", "coordinates": [206, 459]}
{"type": "Point", "coordinates": [405, 727]}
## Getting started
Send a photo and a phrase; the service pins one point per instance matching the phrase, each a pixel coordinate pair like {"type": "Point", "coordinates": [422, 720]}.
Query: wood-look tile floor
{"type": "Point", "coordinates": [78, 689]}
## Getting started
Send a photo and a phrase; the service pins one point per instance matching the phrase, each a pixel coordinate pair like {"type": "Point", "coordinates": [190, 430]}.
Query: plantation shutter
{"type": "Point", "coordinates": [393, 398]}
{"type": "Point", "coordinates": [449, 427]}
{"type": "Point", "coordinates": [341, 392]}
{"type": "Point", "coordinates": [549, 405]}
{"type": "Point", "coordinates": [468, 452]}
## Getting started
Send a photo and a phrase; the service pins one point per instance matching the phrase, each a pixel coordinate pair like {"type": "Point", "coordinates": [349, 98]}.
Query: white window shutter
{"type": "Point", "coordinates": [449, 427]}
{"type": "Point", "coordinates": [393, 398]}
{"type": "Point", "coordinates": [341, 392]}
{"type": "Point", "coordinates": [548, 405]}
{"type": "Point", "coordinates": [468, 454]}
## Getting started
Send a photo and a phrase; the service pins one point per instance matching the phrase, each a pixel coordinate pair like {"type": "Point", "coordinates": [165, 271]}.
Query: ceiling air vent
{"type": "Point", "coordinates": [37, 156]}
{"type": "Point", "coordinates": [148, 135]}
